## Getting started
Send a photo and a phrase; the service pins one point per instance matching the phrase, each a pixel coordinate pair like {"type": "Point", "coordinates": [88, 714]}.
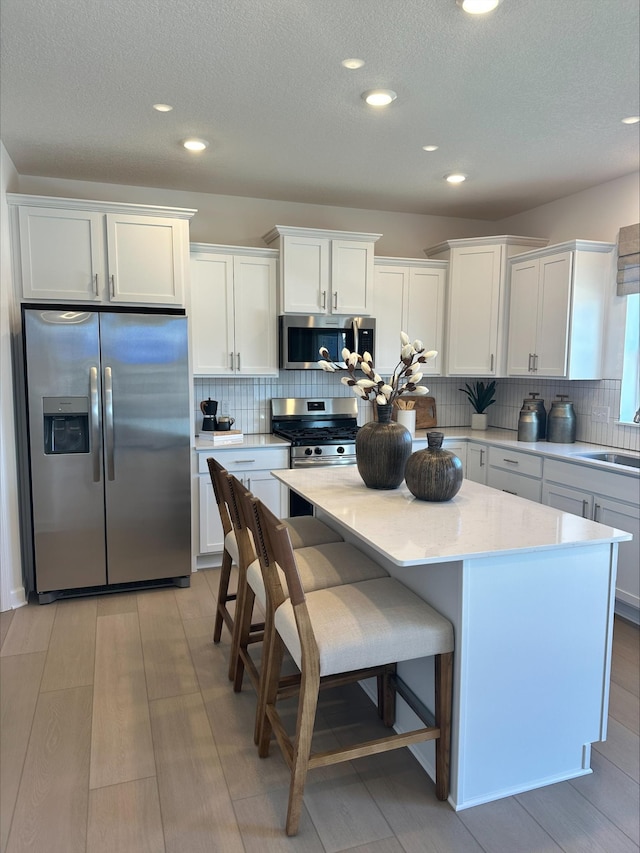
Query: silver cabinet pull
{"type": "Point", "coordinates": [491, 366]}
{"type": "Point", "coordinates": [530, 367]}
{"type": "Point", "coordinates": [324, 300]}
{"type": "Point", "coordinates": [509, 492]}
{"type": "Point", "coordinates": [585, 508]}
{"type": "Point", "coordinates": [231, 360]}
{"type": "Point", "coordinates": [596, 511]}
{"type": "Point", "coordinates": [511, 461]}
{"type": "Point", "coordinates": [108, 423]}
{"type": "Point", "coordinates": [335, 301]}
{"type": "Point", "coordinates": [238, 360]}
{"type": "Point", "coordinates": [112, 287]}
{"type": "Point", "coordinates": [535, 362]}
{"type": "Point", "coordinates": [95, 284]}
{"type": "Point", "coordinates": [243, 461]}
{"type": "Point", "coordinates": [95, 422]}
{"type": "Point", "coordinates": [482, 458]}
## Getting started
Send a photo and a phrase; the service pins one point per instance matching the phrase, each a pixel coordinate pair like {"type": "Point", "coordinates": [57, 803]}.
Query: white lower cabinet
{"type": "Point", "coordinates": [516, 473]}
{"type": "Point", "coordinates": [252, 467]}
{"type": "Point", "coordinates": [609, 498]}
{"type": "Point", "coordinates": [477, 463]}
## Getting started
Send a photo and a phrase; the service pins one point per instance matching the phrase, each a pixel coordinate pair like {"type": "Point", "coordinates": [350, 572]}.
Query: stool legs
{"type": "Point", "coordinates": [222, 614]}
{"type": "Point", "coordinates": [443, 702]}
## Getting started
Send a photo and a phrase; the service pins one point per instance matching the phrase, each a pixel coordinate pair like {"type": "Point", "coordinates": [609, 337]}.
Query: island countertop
{"type": "Point", "coordinates": [478, 522]}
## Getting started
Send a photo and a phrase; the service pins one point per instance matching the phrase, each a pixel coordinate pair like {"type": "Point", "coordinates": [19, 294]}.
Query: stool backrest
{"type": "Point", "coordinates": [278, 543]}
{"type": "Point", "coordinates": [231, 488]}
{"type": "Point", "coordinates": [217, 473]}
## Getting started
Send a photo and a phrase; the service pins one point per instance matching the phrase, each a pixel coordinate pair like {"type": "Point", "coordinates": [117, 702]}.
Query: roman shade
{"type": "Point", "coordinates": [628, 279]}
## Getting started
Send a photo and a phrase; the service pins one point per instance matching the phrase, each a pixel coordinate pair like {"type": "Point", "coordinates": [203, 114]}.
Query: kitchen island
{"type": "Point", "coordinates": [530, 592]}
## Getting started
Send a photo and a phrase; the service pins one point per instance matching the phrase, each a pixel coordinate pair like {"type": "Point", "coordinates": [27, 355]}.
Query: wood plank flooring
{"type": "Point", "coordinates": [120, 733]}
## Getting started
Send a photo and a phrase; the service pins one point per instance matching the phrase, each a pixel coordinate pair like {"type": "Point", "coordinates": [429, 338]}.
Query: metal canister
{"type": "Point", "coordinates": [561, 424]}
{"type": "Point", "coordinates": [533, 403]}
{"type": "Point", "coordinates": [528, 424]}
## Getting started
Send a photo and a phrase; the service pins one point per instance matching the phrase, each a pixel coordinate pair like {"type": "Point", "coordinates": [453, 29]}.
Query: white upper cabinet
{"type": "Point", "coordinates": [324, 272]}
{"type": "Point", "coordinates": [557, 310]}
{"type": "Point", "coordinates": [477, 310]}
{"type": "Point", "coordinates": [408, 296]}
{"type": "Point", "coordinates": [84, 251]}
{"type": "Point", "coordinates": [233, 311]}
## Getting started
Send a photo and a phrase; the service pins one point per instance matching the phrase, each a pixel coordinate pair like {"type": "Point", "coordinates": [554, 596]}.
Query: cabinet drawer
{"type": "Point", "coordinates": [515, 484]}
{"type": "Point", "coordinates": [621, 486]}
{"type": "Point", "coordinates": [245, 459]}
{"type": "Point", "coordinates": [514, 460]}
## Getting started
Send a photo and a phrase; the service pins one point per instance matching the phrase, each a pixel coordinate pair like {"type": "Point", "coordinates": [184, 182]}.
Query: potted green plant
{"type": "Point", "coordinates": [480, 396]}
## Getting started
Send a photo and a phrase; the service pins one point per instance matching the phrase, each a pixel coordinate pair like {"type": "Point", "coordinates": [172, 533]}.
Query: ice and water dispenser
{"type": "Point", "coordinates": [66, 425]}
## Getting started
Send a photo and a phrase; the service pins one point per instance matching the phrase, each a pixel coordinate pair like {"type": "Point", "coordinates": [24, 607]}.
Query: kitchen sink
{"type": "Point", "coordinates": [615, 458]}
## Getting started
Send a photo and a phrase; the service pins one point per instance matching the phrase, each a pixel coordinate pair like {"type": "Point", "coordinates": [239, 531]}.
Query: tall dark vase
{"type": "Point", "coordinates": [382, 450]}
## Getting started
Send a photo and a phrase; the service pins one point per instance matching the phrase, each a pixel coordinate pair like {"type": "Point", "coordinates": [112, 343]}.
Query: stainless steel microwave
{"type": "Point", "coordinates": [301, 338]}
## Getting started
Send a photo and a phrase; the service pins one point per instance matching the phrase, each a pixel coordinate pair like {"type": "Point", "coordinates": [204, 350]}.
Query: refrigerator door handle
{"type": "Point", "coordinates": [95, 422]}
{"type": "Point", "coordinates": [108, 422]}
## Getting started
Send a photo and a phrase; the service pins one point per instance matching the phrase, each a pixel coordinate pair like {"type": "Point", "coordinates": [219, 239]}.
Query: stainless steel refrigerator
{"type": "Point", "coordinates": [109, 448]}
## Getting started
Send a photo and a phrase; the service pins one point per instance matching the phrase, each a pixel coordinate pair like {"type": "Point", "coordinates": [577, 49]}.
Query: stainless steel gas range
{"type": "Point", "coordinates": [322, 431]}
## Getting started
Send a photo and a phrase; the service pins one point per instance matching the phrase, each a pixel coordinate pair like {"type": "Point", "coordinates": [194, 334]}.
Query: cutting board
{"type": "Point", "coordinates": [425, 409]}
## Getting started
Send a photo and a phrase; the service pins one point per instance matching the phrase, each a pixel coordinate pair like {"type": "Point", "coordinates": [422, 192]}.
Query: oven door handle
{"type": "Point", "coordinates": [313, 463]}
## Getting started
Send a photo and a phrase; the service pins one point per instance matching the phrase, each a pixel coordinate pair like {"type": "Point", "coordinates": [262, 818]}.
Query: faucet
{"type": "Point", "coordinates": [636, 417]}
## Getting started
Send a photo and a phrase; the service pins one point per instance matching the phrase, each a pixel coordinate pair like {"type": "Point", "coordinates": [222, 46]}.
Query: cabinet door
{"type": "Point", "coordinates": [554, 303]}
{"type": "Point", "coordinates": [477, 463]}
{"type": "Point", "coordinates": [145, 259]}
{"type": "Point", "coordinates": [474, 302]}
{"type": "Point", "coordinates": [351, 277]}
{"type": "Point", "coordinates": [62, 254]}
{"type": "Point", "coordinates": [211, 320]}
{"type": "Point", "coordinates": [624, 517]}
{"type": "Point", "coordinates": [523, 317]}
{"type": "Point", "coordinates": [265, 487]}
{"type": "Point", "coordinates": [254, 285]}
{"type": "Point", "coordinates": [304, 273]}
{"type": "Point", "coordinates": [425, 313]}
{"type": "Point", "coordinates": [211, 539]}
{"type": "Point", "coordinates": [389, 307]}
{"type": "Point", "coordinates": [460, 450]}
{"type": "Point", "coordinates": [569, 500]}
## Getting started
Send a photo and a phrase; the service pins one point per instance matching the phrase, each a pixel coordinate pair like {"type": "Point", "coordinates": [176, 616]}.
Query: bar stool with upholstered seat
{"type": "Point", "coordinates": [349, 631]}
{"type": "Point", "coordinates": [304, 531]}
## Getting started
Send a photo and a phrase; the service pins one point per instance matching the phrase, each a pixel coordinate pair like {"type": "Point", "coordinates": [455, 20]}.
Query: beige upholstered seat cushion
{"type": "Point", "coordinates": [305, 530]}
{"type": "Point", "coordinates": [323, 566]}
{"type": "Point", "coordinates": [367, 624]}
{"type": "Point", "coordinates": [231, 546]}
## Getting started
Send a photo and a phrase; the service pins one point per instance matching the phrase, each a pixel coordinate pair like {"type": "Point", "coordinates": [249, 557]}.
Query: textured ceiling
{"type": "Point", "coordinates": [527, 100]}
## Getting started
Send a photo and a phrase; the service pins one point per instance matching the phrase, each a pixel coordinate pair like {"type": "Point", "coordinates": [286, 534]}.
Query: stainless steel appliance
{"type": "Point", "coordinates": [322, 431]}
{"type": "Point", "coordinates": [109, 448]}
{"type": "Point", "coordinates": [302, 336]}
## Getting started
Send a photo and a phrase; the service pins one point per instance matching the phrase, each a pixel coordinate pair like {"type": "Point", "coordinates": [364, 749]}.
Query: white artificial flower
{"type": "Point", "coordinates": [431, 354]}
{"type": "Point", "coordinates": [377, 377]}
{"type": "Point", "coordinates": [418, 346]}
{"type": "Point", "coordinates": [404, 337]}
{"type": "Point", "coordinates": [407, 351]}
{"type": "Point", "coordinates": [381, 400]}
{"type": "Point", "coordinates": [420, 390]}
{"type": "Point", "coordinates": [365, 383]}
{"type": "Point", "coordinates": [367, 357]}
{"type": "Point", "coordinates": [327, 366]}
{"type": "Point", "coordinates": [353, 359]}
{"type": "Point", "coordinates": [365, 368]}
{"type": "Point", "coordinates": [387, 390]}
{"type": "Point", "coordinates": [345, 354]}
{"type": "Point", "coordinates": [416, 378]}
{"type": "Point", "coordinates": [360, 392]}
{"type": "Point", "coordinates": [347, 380]}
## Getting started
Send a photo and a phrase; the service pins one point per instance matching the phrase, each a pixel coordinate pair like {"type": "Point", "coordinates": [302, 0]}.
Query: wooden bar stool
{"type": "Point", "coordinates": [321, 565]}
{"type": "Point", "coordinates": [305, 531]}
{"type": "Point", "coordinates": [342, 633]}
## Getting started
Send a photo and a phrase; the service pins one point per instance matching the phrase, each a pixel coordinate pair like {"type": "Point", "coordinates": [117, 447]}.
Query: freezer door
{"type": "Point", "coordinates": [147, 446]}
{"type": "Point", "coordinates": [63, 387]}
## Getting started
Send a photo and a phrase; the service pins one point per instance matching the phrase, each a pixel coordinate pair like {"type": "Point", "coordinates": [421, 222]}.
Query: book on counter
{"type": "Point", "coordinates": [220, 437]}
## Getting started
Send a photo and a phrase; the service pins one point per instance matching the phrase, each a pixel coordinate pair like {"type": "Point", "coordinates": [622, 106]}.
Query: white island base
{"type": "Point", "coordinates": [532, 612]}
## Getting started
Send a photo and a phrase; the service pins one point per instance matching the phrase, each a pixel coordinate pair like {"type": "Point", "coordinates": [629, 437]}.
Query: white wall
{"type": "Point", "coordinates": [11, 589]}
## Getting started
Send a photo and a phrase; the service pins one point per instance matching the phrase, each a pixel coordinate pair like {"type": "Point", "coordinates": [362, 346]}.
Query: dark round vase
{"type": "Point", "coordinates": [433, 474]}
{"type": "Point", "coordinates": [382, 450]}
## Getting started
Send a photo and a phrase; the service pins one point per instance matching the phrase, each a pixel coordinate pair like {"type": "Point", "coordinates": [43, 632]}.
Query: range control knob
{"type": "Point", "coordinates": [308, 451]}
{"type": "Point", "coordinates": [339, 449]}
{"type": "Point", "coordinates": [318, 451]}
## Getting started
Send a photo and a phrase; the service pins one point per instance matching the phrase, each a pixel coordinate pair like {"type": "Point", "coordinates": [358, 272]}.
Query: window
{"type": "Point", "coordinates": [630, 392]}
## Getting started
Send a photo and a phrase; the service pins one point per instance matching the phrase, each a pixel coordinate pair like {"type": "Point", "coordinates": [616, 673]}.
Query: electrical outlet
{"type": "Point", "coordinates": [224, 407]}
{"type": "Point", "coordinates": [600, 414]}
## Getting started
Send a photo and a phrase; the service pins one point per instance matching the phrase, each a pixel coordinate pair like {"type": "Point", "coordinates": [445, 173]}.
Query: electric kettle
{"type": "Point", "coordinates": [209, 409]}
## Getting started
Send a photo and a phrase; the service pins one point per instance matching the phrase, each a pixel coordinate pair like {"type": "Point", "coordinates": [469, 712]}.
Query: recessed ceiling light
{"type": "Point", "coordinates": [429, 147]}
{"type": "Point", "coordinates": [631, 120]}
{"type": "Point", "coordinates": [195, 144]}
{"type": "Point", "coordinates": [478, 7]}
{"type": "Point", "coordinates": [455, 178]}
{"type": "Point", "coordinates": [163, 108]}
{"type": "Point", "coordinates": [352, 64]}
{"type": "Point", "coordinates": [379, 97]}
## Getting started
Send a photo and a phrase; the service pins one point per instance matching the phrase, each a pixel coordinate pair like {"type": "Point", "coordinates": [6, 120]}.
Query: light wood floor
{"type": "Point", "coordinates": [121, 734]}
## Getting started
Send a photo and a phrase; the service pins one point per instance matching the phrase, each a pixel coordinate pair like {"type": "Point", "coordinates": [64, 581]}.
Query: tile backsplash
{"type": "Point", "coordinates": [248, 401]}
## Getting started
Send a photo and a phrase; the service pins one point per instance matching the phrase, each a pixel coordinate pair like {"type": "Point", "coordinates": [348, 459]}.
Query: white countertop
{"type": "Point", "coordinates": [249, 441]}
{"type": "Point", "coordinates": [477, 522]}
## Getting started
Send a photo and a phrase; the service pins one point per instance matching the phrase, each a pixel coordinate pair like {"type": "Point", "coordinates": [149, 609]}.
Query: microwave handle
{"type": "Point", "coordinates": [356, 343]}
